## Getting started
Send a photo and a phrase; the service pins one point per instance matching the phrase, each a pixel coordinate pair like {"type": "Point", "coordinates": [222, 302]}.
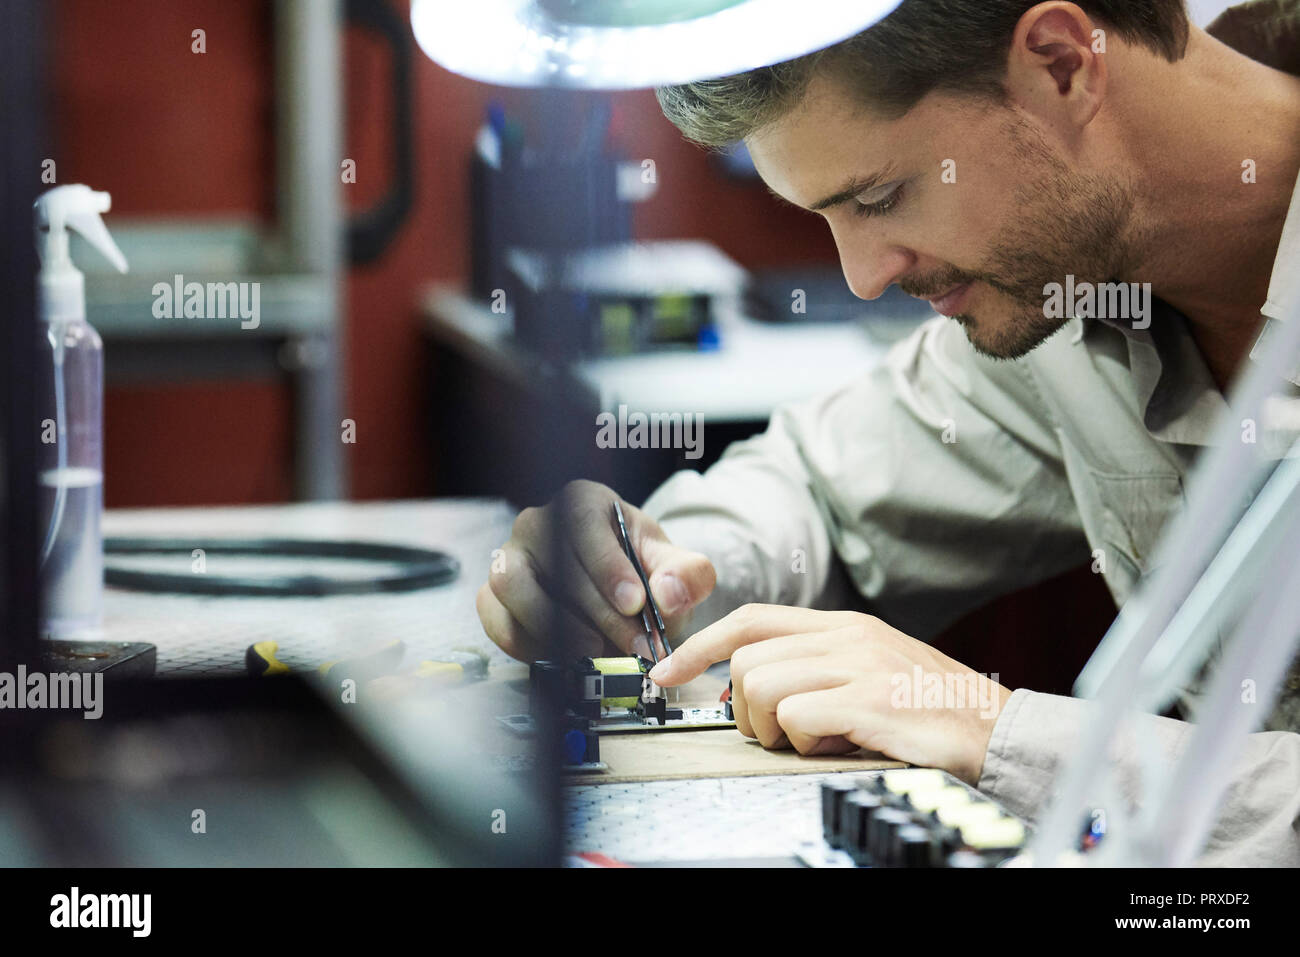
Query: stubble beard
{"type": "Point", "coordinates": [1063, 223]}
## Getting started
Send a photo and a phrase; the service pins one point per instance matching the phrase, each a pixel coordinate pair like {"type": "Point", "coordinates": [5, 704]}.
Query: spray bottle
{"type": "Point", "coordinates": [71, 473]}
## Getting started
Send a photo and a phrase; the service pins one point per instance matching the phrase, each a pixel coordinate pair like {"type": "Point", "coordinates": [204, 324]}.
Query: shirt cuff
{"type": "Point", "coordinates": [1025, 750]}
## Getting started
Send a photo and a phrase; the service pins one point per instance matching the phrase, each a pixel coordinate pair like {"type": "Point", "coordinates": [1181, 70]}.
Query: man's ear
{"type": "Point", "coordinates": [1056, 68]}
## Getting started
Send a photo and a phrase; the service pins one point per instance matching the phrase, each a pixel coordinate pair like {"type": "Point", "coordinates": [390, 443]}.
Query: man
{"type": "Point", "coordinates": [977, 153]}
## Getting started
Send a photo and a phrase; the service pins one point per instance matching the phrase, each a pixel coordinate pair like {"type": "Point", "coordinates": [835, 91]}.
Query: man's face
{"type": "Point", "coordinates": [964, 204]}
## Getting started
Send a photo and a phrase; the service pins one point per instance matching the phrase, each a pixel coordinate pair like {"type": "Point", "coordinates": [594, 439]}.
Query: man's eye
{"type": "Point", "coordinates": [880, 207]}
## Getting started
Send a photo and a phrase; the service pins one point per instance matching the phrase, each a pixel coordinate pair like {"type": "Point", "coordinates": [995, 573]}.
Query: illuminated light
{"type": "Point", "coordinates": [469, 39]}
{"type": "Point", "coordinates": [584, 48]}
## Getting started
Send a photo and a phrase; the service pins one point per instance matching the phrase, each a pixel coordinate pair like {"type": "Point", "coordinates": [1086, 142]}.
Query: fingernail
{"type": "Point", "coordinates": [671, 593]}
{"type": "Point", "coordinates": [627, 598]}
{"type": "Point", "coordinates": [661, 671]}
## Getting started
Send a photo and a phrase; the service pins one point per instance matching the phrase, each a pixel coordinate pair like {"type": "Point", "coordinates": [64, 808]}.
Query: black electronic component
{"type": "Point", "coordinates": [858, 810]}
{"type": "Point", "coordinates": [914, 846]}
{"type": "Point", "coordinates": [912, 817]}
{"type": "Point", "coordinates": [623, 686]}
{"type": "Point", "coordinates": [881, 831]}
{"type": "Point", "coordinates": [580, 688]}
{"type": "Point", "coordinates": [833, 795]}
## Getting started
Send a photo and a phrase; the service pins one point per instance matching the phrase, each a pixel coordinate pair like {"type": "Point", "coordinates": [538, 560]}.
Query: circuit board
{"type": "Point", "coordinates": [622, 721]}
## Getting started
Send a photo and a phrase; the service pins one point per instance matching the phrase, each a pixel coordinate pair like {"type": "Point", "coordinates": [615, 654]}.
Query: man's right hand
{"type": "Point", "coordinates": [595, 589]}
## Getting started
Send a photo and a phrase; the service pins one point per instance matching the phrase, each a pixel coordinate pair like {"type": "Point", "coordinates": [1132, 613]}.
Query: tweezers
{"type": "Point", "coordinates": [649, 606]}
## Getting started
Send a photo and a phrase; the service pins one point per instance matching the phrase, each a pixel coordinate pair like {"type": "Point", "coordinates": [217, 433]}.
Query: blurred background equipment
{"type": "Point", "coordinates": [552, 194]}
{"type": "Point", "coordinates": [297, 261]}
{"type": "Point", "coordinates": [620, 300]}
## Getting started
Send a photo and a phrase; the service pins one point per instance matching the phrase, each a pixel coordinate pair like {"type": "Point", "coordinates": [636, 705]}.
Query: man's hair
{"type": "Point", "coordinates": [923, 46]}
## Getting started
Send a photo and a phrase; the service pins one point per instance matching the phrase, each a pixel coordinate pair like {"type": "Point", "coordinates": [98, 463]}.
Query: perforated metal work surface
{"type": "Point", "coordinates": [762, 817]}
{"type": "Point", "coordinates": [208, 636]}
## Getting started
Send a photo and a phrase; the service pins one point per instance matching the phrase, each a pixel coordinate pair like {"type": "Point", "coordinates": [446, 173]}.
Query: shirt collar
{"type": "Point", "coordinates": [1178, 398]}
{"type": "Point", "coordinates": [1284, 287]}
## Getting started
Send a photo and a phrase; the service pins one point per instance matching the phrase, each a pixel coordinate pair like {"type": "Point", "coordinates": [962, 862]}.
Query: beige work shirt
{"type": "Point", "coordinates": [942, 479]}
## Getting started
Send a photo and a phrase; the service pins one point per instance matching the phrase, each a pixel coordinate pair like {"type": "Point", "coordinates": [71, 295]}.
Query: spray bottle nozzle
{"type": "Point", "coordinates": [76, 207]}
{"type": "Point", "coordinates": [60, 284]}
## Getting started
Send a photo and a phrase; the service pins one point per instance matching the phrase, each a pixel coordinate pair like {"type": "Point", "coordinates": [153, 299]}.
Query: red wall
{"type": "Point", "coordinates": [169, 131]}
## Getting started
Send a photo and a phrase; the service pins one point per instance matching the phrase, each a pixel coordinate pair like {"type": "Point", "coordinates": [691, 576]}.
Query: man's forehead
{"type": "Point", "coordinates": [809, 152]}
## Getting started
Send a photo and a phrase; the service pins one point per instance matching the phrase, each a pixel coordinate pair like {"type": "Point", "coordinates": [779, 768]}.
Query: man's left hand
{"type": "Point", "coordinates": [830, 682]}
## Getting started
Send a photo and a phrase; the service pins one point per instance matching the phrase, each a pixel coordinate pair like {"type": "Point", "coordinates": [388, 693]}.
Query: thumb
{"type": "Point", "coordinates": [679, 578]}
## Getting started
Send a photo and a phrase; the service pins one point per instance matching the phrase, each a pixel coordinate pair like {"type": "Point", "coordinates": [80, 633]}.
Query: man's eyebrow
{"type": "Point", "coordinates": [852, 188]}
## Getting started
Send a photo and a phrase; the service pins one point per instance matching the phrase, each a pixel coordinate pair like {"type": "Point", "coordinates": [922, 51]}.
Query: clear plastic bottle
{"type": "Point", "coordinates": [71, 478]}
{"type": "Point", "coordinates": [70, 404]}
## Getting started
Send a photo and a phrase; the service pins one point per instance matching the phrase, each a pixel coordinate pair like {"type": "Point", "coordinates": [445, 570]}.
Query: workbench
{"type": "Point", "coordinates": [206, 636]}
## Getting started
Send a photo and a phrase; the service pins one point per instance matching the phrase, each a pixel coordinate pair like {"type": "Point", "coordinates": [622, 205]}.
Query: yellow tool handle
{"type": "Point", "coordinates": [261, 662]}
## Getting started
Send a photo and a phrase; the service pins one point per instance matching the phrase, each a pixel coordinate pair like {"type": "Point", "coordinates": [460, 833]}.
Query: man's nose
{"type": "Point", "coordinates": [871, 267]}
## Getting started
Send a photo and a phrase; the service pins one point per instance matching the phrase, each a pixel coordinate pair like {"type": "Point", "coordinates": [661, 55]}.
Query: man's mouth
{"type": "Point", "coordinates": [951, 302]}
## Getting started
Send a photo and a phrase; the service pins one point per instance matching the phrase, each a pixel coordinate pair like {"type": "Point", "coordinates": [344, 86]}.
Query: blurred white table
{"type": "Point", "coordinates": [203, 635]}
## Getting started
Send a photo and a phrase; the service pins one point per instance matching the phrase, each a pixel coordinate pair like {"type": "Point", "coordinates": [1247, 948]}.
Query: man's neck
{"type": "Point", "coordinates": [1209, 234]}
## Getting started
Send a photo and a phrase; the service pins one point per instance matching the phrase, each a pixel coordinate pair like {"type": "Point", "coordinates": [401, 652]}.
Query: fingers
{"type": "Point", "coordinates": [763, 674]}
{"type": "Point", "coordinates": [582, 592]}
{"type": "Point", "coordinates": [501, 626]}
{"type": "Point", "coordinates": [536, 543]}
{"type": "Point", "coordinates": [744, 626]}
{"type": "Point", "coordinates": [577, 543]}
{"type": "Point", "coordinates": [818, 722]}
{"type": "Point", "coordinates": [797, 704]}
{"type": "Point", "coordinates": [570, 552]}
{"type": "Point", "coordinates": [679, 578]}
{"type": "Point", "coordinates": [587, 510]}
{"type": "Point", "coordinates": [767, 687]}
{"type": "Point", "coordinates": [533, 616]}
{"type": "Point", "coordinates": [746, 659]}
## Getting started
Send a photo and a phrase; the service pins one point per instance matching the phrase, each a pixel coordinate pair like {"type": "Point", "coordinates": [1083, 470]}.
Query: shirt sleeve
{"type": "Point", "coordinates": [929, 486]}
{"type": "Point", "coordinates": [1258, 822]}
